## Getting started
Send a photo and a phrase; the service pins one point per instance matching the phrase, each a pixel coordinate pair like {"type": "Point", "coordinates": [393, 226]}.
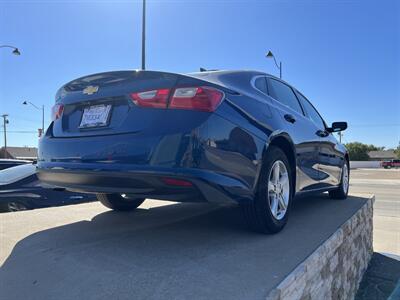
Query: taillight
{"type": "Point", "coordinates": [154, 98]}
{"type": "Point", "coordinates": [56, 111]}
{"type": "Point", "coordinates": [196, 98]}
{"type": "Point", "coordinates": [190, 98]}
{"type": "Point", "coordinates": [176, 182]}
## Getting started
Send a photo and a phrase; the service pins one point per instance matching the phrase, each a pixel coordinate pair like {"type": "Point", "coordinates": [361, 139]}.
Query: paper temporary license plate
{"type": "Point", "coordinates": [95, 116]}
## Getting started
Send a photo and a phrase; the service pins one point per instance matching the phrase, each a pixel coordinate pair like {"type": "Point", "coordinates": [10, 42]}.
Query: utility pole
{"type": "Point", "coordinates": [5, 122]}
{"type": "Point", "coordinates": [144, 36]}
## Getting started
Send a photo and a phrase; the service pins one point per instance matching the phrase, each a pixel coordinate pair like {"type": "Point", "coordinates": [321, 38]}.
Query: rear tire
{"type": "Point", "coordinates": [118, 202]}
{"type": "Point", "coordinates": [267, 212]}
{"type": "Point", "coordinates": [343, 189]}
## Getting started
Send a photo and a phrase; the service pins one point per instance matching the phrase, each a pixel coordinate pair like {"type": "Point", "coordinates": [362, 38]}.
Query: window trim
{"type": "Point", "coordinates": [253, 84]}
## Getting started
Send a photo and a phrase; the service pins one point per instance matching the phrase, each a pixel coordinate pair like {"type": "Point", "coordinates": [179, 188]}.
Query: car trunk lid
{"type": "Point", "coordinates": [106, 96]}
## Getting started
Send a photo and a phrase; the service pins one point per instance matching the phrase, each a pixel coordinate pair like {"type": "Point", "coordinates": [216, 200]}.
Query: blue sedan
{"type": "Point", "coordinates": [243, 137]}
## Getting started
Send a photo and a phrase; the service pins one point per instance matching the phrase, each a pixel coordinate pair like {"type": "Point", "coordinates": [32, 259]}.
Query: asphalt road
{"type": "Point", "coordinates": [384, 270]}
{"type": "Point", "coordinates": [385, 185]}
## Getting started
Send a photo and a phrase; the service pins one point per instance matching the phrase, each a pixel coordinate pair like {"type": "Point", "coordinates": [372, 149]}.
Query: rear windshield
{"type": "Point", "coordinates": [116, 77]}
{"type": "Point", "coordinates": [17, 173]}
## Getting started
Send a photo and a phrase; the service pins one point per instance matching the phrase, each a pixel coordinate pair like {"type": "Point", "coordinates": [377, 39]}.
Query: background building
{"type": "Point", "coordinates": [27, 153]}
{"type": "Point", "coordinates": [381, 155]}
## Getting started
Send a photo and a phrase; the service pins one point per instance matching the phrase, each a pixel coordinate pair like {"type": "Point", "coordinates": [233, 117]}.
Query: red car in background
{"type": "Point", "coordinates": [393, 163]}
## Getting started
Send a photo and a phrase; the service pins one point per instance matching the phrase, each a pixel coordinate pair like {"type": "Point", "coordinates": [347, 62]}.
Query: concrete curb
{"type": "Point", "coordinates": [335, 269]}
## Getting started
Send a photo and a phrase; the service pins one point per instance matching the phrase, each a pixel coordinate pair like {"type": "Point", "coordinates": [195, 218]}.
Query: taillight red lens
{"type": "Point", "coordinates": [191, 98]}
{"type": "Point", "coordinates": [196, 98]}
{"type": "Point", "coordinates": [176, 182]}
{"type": "Point", "coordinates": [154, 98]}
{"type": "Point", "coordinates": [56, 111]}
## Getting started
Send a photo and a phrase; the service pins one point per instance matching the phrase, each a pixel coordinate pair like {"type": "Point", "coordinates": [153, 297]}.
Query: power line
{"type": "Point", "coordinates": [374, 125]}
{"type": "Point", "coordinates": [18, 131]}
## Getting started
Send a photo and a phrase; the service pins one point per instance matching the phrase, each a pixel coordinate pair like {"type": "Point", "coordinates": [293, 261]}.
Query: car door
{"type": "Point", "coordinates": [301, 131]}
{"type": "Point", "coordinates": [330, 158]}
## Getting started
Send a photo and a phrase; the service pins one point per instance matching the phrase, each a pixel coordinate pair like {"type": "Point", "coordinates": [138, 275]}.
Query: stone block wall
{"type": "Point", "coordinates": [335, 269]}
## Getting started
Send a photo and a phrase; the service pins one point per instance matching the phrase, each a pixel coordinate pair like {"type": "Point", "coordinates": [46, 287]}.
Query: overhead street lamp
{"type": "Point", "coordinates": [15, 51]}
{"type": "Point", "coordinates": [270, 55]}
{"type": "Point", "coordinates": [38, 108]}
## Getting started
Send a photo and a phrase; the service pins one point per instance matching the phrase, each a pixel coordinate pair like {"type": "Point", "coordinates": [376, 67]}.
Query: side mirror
{"type": "Point", "coordinates": [337, 126]}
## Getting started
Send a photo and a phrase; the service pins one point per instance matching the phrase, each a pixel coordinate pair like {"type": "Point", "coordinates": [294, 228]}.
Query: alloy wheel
{"type": "Point", "coordinates": [278, 190]}
{"type": "Point", "coordinates": [345, 178]}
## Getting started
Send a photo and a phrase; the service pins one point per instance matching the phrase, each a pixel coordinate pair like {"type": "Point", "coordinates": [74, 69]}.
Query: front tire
{"type": "Point", "coordinates": [269, 211]}
{"type": "Point", "coordinates": [343, 189]}
{"type": "Point", "coordinates": [119, 202]}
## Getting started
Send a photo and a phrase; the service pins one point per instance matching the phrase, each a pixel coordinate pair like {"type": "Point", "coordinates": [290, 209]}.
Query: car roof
{"type": "Point", "coordinates": [232, 79]}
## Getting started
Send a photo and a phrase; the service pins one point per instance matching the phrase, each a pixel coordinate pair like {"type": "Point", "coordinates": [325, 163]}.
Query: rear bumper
{"type": "Point", "coordinates": [220, 159]}
{"type": "Point", "coordinates": [146, 182]}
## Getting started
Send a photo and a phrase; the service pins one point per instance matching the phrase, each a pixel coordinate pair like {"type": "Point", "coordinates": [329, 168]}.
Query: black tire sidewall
{"type": "Point", "coordinates": [118, 203]}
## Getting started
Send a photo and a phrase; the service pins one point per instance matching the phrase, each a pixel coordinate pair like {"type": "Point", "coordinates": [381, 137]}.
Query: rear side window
{"type": "Point", "coordinates": [261, 84]}
{"type": "Point", "coordinates": [284, 94]}
{"type": "Point", "coordinates": [312, 113]}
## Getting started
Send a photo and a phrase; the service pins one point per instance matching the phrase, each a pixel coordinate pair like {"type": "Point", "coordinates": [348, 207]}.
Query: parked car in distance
{"type": "Point", "coordinates": [393, 163]}
{"type": "Point", "coordinates": [243, 137]}
{"type": "Point", "coordinates": [20, 189]}
{"type": "Point", "coordinates": [8, 163]}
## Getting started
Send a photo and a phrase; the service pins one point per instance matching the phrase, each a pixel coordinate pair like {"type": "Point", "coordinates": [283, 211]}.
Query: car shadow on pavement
{"type": "Point", "coordinates": [173, 251]}
{"type": "Point", "coordinates": [381, 277]}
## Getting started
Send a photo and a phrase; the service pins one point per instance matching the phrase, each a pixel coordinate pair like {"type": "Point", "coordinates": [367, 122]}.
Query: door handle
{"type": "Point", "coordinates": [289, 118]}
{"type": "Point", "coordinates": [322, 133]}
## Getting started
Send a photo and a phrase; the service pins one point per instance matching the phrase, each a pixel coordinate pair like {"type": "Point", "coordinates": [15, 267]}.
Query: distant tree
{"type": "Point", "coordinates": [359, 151]}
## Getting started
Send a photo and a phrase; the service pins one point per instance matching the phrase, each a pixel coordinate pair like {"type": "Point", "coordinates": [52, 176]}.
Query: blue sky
{"type": "Point", "coordinates": [343, 55]}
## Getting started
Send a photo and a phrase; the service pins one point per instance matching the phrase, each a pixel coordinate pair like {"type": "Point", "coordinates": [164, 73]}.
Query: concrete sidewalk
{"type": "Point", "coordinates": [158, 252]}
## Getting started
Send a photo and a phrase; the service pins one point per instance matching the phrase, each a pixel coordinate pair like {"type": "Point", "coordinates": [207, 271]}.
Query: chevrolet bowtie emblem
{"type": "Point", "coordinates": [89, 90]}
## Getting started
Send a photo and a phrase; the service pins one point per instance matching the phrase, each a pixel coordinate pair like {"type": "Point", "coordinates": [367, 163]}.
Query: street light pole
{"type": "Point", "coordinates": [271, 55]}
{"type": "Point", "coordinates": [5, 122]}
{"type": "Point", "coordinates": [42, 108]}
{"type": "Point", "coordinates": [42, 118]}
{"type": "Point", "coordinates": [144, 36]}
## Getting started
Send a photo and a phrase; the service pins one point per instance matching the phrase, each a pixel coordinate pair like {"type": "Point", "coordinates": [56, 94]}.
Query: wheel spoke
{"type": "Point", "coordinates": [284, 179]}
{"type": "Point", "coordinates": [276, 173]}
{"type": "Point", "coordinates": [282, 202]}
{"type": "Point", "coordinates": [271, 186]}
{"type": "Point", "coordinates": [274, 205]}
